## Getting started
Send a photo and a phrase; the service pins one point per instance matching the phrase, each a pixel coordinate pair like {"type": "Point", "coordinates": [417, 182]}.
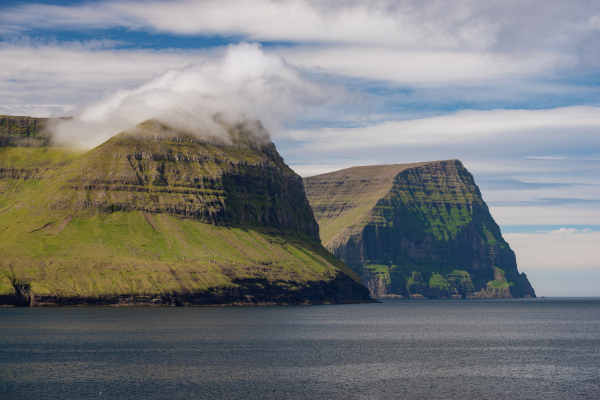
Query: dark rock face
{"type": "Point", "coordinates": [242, 183]}
{"type": "Point", "coordinates": [246, 292]}
{"type": "Point", "coordinates": [24, 131]}
{"type": "Point", "coordinates": [427, 231]}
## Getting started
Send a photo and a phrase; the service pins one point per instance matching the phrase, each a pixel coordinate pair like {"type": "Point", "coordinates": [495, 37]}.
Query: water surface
{"type": "Point", "coordinates": [440, 349]}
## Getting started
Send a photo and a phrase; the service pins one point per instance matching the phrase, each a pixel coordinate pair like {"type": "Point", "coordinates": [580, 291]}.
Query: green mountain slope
{"type": "Point", "coordinates": [25, 131]}
{"type": "Point", "coordinates": [415, 230]}
{"type": "Point", "coordinates": [154, 216]}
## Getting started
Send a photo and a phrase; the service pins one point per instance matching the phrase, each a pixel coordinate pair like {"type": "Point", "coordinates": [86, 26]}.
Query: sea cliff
{"type": "Point", "coordinates": [415, 230]}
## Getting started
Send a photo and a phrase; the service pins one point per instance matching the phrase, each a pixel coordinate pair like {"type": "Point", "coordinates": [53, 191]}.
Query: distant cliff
{"type": "Point", "coordinates": [155, 216]}
{"type": "Point", "coordinates": [415, 230]}
{"type": "Point", "coordinates": [25, 131]}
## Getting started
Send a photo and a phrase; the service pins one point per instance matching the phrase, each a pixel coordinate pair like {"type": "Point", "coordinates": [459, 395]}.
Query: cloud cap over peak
{"type": "Point", "coordinates": [244, 83]}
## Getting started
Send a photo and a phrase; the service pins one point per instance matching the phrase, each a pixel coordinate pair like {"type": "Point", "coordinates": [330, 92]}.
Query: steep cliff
{"type": "Point", "coordinates": [415, 230]}
{"type": "Point", "coordinates": [24, 131]}
{"type": "Point", "coordinates": [156, 216]}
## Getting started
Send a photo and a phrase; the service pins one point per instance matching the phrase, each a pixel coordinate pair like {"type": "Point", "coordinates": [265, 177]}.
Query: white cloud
{"type": "Point", "coordinates": [563, 231]}
{"type": "Point", "coordinates": [475, 24]}
{"type": "Point", "coordinates": [424, 68]}
{"type": "Point", "coordinates": [245, 83]}
{"type": "Point", "coordinates": [567, 250]}
{"type": "Point", "coordinates": [546, 158]}
{"type": "Point", "coordinates": [306, 21]}
{"type": "Point", "coordinates": [48, 77]}
{"type": "Point", "coordinates": [499, 50]}
{"type": "Point", "coordinates": [464, 127]}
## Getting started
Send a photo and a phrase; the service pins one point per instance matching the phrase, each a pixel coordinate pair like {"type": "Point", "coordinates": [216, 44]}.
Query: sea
{"type": "Point", "coordinates": [398, 349]}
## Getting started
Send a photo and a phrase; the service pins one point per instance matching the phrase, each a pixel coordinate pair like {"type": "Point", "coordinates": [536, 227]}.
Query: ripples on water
{"type": "Point", "coordinates": [440, 349]}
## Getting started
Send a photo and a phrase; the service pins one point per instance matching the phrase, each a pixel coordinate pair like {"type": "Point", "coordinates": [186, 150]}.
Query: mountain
{"type": "Point", "coordinates": [415, 230]}
{"type": "Point", "coordinates": [25, 131]}
{"type": "Point", "coordinates": [157, 216]}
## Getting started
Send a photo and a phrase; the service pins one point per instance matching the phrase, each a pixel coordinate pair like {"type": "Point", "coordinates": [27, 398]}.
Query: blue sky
{"type": "Point", "coordinates": [510, 88]}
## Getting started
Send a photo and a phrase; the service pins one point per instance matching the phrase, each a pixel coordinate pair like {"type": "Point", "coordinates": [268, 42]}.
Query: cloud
{"type": "Point", "coordinates": [49, 78]}
{"type": "Point", "coordinates": [517, 184]}
{"type": "Point", "coordinates": [475, 24]}
{"type": "Point", "coordinates": [569, 231]}
{"type": "Point", "coordinates": [477, 50]}
{"type": "Point", "coordinates": [546, 158]}
{"type": "Point", "coordinates": [533, 130]}
{"type": "Point", "coordinates": [562, 249]}
{"type": "Point", "coordinates": [245, 83]}
{"type": "Point", "coordinates": [427, 68]}
{"type": "Point", "coordinates": [543, 202]}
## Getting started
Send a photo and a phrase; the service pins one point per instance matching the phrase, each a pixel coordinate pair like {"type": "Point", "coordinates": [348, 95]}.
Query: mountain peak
{"type": "Point", "coordinates": [249, 133]}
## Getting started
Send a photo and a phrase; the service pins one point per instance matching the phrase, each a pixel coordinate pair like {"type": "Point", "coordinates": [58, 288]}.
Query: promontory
{"type": "Point", "coordinates": [415, 230]}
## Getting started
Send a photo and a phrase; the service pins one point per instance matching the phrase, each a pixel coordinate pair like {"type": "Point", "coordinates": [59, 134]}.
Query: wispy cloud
{"type": "Point", "coordinates": [476, 24]}
{"type": "Point", "coordinates": [568, 231]}
{"type": "Point", "coordinates": [244, 83]}
{"type": "Point", "coordinates": [430, 68]}
{"type": "Point", "coordinates": [517, 184]}
{"type": "Point", "coordinates": [546, 158]}
{"type": "Point", "coordinates": [34, 74]}
{"type": "Point", "coordinates": [416, 43]}
{"type": "Point", "coordinates": [544, 202]}
{"type": "Point", "coordinates": [532, 129]}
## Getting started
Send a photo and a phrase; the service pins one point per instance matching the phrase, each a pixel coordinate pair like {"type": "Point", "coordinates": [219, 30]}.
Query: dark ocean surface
{"type": "Point", "coordinates": [414, 349]}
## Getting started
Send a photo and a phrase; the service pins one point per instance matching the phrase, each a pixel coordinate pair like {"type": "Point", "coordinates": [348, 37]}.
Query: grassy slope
{"type": "Point", "coordinates": [119, 253]}
{"type": "Point", "coordinates": [363, 187]}
{"type": "Point", "coordinates": [67, 251]}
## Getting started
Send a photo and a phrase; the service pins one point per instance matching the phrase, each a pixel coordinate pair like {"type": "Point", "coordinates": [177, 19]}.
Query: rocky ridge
{"type": "Point", "coordinates": [415, 230]}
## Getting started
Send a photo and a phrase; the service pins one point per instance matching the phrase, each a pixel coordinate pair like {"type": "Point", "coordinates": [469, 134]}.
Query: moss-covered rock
{"type": "Point", "coordinates": [18, 131]}
{"type": "Point", "coordinates": [415, 229]}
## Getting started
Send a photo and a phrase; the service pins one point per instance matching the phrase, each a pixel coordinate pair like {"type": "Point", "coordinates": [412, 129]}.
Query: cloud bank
{"type": "Point", "coordinates": [244, 83]}
{"type": "Point", "coordinates": [475, 24]}
{"type": "Point", "coordinates": [42, 78]}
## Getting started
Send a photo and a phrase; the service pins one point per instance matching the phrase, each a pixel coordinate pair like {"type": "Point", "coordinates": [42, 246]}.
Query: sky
{"type": "Point", "coordinates": [511, 88]}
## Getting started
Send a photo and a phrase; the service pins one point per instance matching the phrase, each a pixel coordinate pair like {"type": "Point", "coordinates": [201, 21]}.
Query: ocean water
{"type": "Point", "coordinates": [413, 349]}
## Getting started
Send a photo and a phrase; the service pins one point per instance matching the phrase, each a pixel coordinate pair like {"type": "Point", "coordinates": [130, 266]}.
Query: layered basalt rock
{"type": "Point", "coordinates": [156, 216]}
{"type": "Point", "coordinates": [342, 289]}
{"type": "Point", "coordinates": [241, 181]}
{"type": "Point", "coordinates": [19, 131]}
{"type": "Point", "coordinates": [415, 229]}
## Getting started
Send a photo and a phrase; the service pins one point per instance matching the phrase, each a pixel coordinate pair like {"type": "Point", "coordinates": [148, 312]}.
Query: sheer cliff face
{"type": "Point", "coordinates": [24, 131]}
{"type": "Point", "coordinates": [415, 229]}
{"type": "Point", "coordinates": [155, 216]}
